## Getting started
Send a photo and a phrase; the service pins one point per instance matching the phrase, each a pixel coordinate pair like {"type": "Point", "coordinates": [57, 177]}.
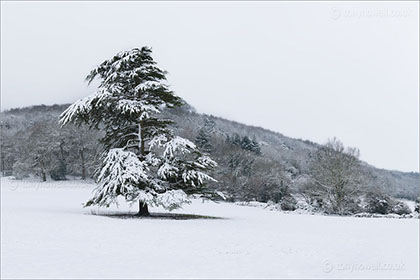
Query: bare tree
{"type": "Point", "coordinates": [336, 176]}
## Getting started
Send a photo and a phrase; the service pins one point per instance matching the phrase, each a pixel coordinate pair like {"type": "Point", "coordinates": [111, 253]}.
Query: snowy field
{"type": "Point", "coordinates": [45, 233]}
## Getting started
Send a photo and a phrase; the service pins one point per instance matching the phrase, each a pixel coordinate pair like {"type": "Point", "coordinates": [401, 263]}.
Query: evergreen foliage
{"type": "Point", "coordinates": [245, 143]}
{"type": "Point", "coordinates": [143, 160]}
{"type": "Point", "coordinates": [203, 139]}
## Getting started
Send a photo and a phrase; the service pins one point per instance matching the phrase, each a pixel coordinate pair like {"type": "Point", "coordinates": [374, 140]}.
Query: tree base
{"type": "Point", "coordinates": [143, 214]}
{"type": "Point", "coordinates": [143, 209]}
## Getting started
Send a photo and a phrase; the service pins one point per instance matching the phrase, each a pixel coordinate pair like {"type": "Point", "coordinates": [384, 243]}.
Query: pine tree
{"type": "Point", "coordinates": [143, 160]}
{"type": "Point", "coordinates": [255, 146]}
{"type": "Point", "coordinates": [234, 140]}
{"type": "Point", "coordinates": [245, 143]}
{"type": "Point", "coordinates": [204, 135]}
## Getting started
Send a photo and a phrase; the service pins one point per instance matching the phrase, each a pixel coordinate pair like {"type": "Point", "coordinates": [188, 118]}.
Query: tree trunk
{"type": "Point", "coordinates": [43, 176]}
{"type": "Point", "coordinates": [63, 162]}
{"type": "Point", "coordinates": [140, 136]}
{"type": "Point", "coordinates": [142, 150]}
{"type": "Point", "coordinates": [3, 165]}
{"type": "Point", "coordinates": [82, 157]}
{"type": "Point", "coordinates": [143, 209]}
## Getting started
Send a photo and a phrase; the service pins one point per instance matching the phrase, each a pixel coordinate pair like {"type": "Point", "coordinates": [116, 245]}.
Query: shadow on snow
{"type": "Point", "coordinates": [166, 216]}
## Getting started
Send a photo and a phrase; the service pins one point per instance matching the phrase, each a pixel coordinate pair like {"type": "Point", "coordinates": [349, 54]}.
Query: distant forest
{"type": "Point", "coordinates": [255, 164]}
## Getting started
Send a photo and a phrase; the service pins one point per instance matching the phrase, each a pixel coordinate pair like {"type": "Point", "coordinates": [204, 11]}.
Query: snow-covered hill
{"type": "Point", "coordinates": [45, 233]}
{"type": "Point", "coordinates": [293, 154]}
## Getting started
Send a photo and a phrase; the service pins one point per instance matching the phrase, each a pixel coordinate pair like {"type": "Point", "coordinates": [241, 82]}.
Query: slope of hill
{"type": "Point", "coordinates": [296, 153]}
{"type": "Point", "coordinates": [292, 154]}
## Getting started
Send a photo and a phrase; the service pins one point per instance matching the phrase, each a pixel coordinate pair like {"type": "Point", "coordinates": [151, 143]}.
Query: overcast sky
{"type": "Point", "coordinates": [307, 70]}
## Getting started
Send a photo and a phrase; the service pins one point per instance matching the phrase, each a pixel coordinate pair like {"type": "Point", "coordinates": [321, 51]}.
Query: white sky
{"type": "Point", "coordinates": [308, 70]}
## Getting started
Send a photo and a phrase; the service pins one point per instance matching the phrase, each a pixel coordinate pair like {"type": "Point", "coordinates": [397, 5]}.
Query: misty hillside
{"type": "Point", "coordinates": [293, 155]}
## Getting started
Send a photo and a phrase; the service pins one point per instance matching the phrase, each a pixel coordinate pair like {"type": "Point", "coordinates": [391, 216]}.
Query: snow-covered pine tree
{"type": "Point", "coordinates": [256, 147]}
{"type": "Point", "coordinates": [204, 134]}
{"type": "Point", "coordinates": [143, 160]}
{"type": "Point", "coordinates": [245, 143]}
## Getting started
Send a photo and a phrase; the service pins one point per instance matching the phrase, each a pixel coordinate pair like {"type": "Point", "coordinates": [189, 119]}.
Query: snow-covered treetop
{"type": "Point", "coordinates": [131, 84]}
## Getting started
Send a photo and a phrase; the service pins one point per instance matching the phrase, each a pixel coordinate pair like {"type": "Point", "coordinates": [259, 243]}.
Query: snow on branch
{"type": "Point", "coordinates": [121, 173]}
{"type": "Point", "coordinates": [122, 167]}
{"type": "Point", "coordinates": [158, 185]}
{"type": "Point", "coordinates": [178, 144]}
{"type": "Point", "coordinates": [146, 85]}
{"type": "Point", "coordinates": [158, 141]}
{"type": "Point", "coordinates": [171, 199]}
{"type": "Point", "coordinates": [82, 106]}
{"type": "Point", "coordinates": [136, 107]}
{"type": "Point", "coordinates": [167, 170]}
{"type": "Point", "coordinates": [205, 162]}
{"type": "Point", "coordinates": [192, 176]}
{"type": "Point", "coordinates": [152, 159]}
{"type": "Point", "coordinates": [147, 196]}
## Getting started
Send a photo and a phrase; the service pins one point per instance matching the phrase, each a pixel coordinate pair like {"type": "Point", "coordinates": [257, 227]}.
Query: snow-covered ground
{"type": "Point", "coordinates": [45, 233]}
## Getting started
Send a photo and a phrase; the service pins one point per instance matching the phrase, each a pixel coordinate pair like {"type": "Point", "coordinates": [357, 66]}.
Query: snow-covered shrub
{"type": "Point", "coordinates": [352, 206]}
{"type": "Point", "coordinates": [400, 208]}
{"type": "Point", "coordinates": [315, 203]}
{"type": "Point", "coordinates": [288, 203]}
{"type": "Point", "coordinates": [59, 170]}
{"type": "Point", "coordinates": [302, 203]}
{"type": "Point", "coordinates": [21, 170]}
{"type": "Point", "coordinates": [378, 203]}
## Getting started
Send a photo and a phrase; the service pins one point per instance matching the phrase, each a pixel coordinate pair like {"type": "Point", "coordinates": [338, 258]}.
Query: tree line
{"type": "Point", "coordinates": [34, 144]}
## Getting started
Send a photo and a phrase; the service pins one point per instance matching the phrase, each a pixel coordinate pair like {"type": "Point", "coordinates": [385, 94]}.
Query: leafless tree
{"type": "Point", "coordinates": [336, 176]}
